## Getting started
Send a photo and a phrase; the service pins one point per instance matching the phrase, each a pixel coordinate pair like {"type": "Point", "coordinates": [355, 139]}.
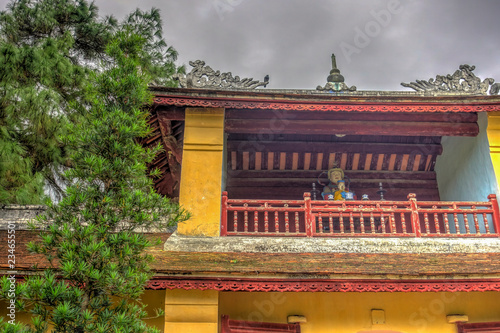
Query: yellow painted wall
{"type": "Point", "coordinates": [352, 312]}
{"type": "Point", "coordinates": [201, 173]}
{"type": "Point", "coordinates": [154, 299]}
{"type": "Point", "coordinates": [494, 141]}
{"type": "Point", "coordinates": [191, 311]}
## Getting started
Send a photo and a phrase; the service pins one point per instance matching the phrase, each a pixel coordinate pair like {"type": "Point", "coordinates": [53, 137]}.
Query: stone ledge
{"type": "Point", "coordinates": [178, 242]}
{"type": "Point", "coordinates": [19, 215]}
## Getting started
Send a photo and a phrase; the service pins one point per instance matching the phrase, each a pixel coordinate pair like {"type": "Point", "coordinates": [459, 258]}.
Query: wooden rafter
{"type": "Point", "coordinates": [166, 130]}
{"type": "Point", "coordinates": [340, 147]}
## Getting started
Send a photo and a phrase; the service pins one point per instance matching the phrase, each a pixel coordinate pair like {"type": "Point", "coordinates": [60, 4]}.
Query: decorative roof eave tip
{"type": "Point", "coordinates": [202, 76]}
{"type": "Point", "coordinates": [462, 82]}
{"type": "Point", "coordinates": [335, 81]}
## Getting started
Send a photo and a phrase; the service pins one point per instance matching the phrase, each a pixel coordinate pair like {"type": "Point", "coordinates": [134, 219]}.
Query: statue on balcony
{"type": "Point", "coordinates": [337, 188]}
{"type": "Point", "coordinates": [334, 175]}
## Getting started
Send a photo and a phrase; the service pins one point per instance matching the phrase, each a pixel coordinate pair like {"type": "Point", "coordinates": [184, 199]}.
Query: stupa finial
{"type": "Point", "coordinates": [335, 81]}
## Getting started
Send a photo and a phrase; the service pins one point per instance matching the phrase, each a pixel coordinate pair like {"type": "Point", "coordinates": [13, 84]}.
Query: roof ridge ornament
{"type": "Point", "coordinates": [462, 82]}
{"type": "Point", "coordinates": [335, 81]}
{"type": "Point", "coordinates": [202, 76]}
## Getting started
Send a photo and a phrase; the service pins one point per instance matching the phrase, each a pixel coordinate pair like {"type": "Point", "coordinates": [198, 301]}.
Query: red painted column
{"type": "Point", "coordinates": [496, 212]}
{"type": "Point", "coordinates": [223, 219]}
{"type": "Point", "coordinates": [308, 214]}
{"type": "Point", "coordinates": [412, 197]}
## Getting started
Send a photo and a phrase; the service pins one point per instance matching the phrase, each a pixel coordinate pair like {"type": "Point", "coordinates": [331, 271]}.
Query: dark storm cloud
{"type": "Point", "coordinates": [292, 40]}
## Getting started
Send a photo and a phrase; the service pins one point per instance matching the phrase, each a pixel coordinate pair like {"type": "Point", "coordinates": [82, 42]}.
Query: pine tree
{"type": "Point", "coordinates": [98, 260]}
{"type": "Point", "coordinates": [90, 240]}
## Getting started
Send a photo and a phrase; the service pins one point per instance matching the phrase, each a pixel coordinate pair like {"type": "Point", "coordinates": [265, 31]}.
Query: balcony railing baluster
{"type": "Point", "coordinates": [446, 223]}
{"type": "Point", "coordinates": [297, 230]}
{"type": "Point", "coordinates": [361, 223]}
{"type": "Point", "coordinates": [235, 221]}
{"type": "Point", "coordinates": [266, 221]}
{"type": "Point", "coordinates": [393, 224]}
{"type": "Point", "coordinates": [287, 226]}
{"type": "Point", "coordinates": [486, 224]}
{"type": "Point", "coordinates": [320, 222]}
{"type": "Point", "coordinates": [403, 223]}
{"type": "Point", "coordinates": [256, 221]}
{"type": "Point", "coordinates": [276, 223]}
{"type": "Point", "coordinates": [246, 220]}
{"type": "Point", "coordinates": [436, 222]}
{"type": "Point", "coordinates": [455, 219]}
{"type": "Point", "coordinates": [426, 222]}
{"type": "Point", "coordinates": [476, 222]}
{"type": "Point", "coordinates": [466, 223]}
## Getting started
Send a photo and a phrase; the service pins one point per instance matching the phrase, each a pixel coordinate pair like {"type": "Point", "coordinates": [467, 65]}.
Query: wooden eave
{"type": "Point", "coordinates": [309, 100]}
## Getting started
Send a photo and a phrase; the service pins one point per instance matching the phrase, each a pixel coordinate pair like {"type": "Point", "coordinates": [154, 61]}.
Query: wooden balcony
{"type": "Point", "coordinates": [313, 218]}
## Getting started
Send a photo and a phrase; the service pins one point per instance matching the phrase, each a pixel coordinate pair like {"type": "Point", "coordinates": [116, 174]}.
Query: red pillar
{"type": "Point", "coordinates": [308, 214]}
{"type": "Point", "coordinates": [415, 222]}
{"type": "Point", "coordinates": [223, 219]}
{"type": "Point", "coordinates": [496, 213]}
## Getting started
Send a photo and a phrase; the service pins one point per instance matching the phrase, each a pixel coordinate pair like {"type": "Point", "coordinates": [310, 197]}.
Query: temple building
{"type": "Point", "coordinates": [330, 209]}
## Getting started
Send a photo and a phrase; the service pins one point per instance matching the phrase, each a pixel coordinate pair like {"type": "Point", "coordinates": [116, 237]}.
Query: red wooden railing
{"type": "Point", "coordinates": [359, 218]}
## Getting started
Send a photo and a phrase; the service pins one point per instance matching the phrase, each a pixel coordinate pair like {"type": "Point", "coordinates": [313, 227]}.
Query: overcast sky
{"type": "Point", "coordinates": [378, 44]}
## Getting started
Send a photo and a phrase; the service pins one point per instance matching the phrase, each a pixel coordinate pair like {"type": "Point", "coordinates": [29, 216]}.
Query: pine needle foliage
{"type": "Point", "coordinates": [48, 49]}
{"type": "Point", "coordinates": [45, 48]}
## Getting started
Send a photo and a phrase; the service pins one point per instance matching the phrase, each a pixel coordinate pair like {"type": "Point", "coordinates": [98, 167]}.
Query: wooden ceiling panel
{"type": "Point", "coordinates": [285, 169]}
{"type": "Point", "coordinates": [293, 161]}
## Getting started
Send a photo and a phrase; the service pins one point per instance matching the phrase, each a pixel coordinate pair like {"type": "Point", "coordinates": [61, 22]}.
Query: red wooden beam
{"type": "Point", "coordinates": [456, 117]}
{"type": "Point", "coordinates": [331, 127]}
{"type": "Point", "coordinates": [171, 112]}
